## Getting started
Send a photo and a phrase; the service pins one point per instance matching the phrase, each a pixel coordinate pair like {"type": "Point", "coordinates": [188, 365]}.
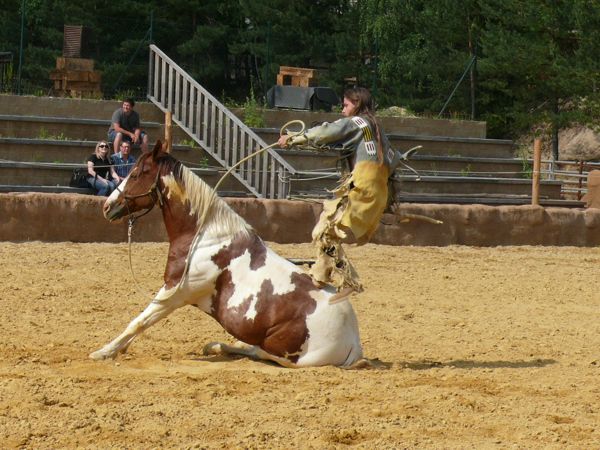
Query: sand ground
{"type": "Point", "coordinates": [485, 348]}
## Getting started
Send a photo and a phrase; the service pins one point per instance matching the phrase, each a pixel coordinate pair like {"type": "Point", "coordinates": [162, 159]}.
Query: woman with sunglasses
{"type": "Point", "coordinates": [101, 172]}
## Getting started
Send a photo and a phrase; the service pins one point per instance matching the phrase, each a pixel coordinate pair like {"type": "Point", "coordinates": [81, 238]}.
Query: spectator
{"type": "Point", "coordinates": [123, 161]}
{"type": "Point", "coordinates": [101, 172]}
{"type": "Point", "coordinates": [125, 126]}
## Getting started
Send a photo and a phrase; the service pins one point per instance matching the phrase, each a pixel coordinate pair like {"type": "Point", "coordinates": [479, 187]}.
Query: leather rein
{"type": "Point", "coordinates": [156, 195]}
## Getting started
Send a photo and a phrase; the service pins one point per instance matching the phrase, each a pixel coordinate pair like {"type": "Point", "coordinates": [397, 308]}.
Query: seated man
{"type": "Point", "coordinates": [125, 126]}
{"type": "Point", "coordinates": [123, 161]}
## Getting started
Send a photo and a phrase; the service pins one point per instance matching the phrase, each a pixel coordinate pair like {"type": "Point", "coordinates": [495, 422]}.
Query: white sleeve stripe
{"type": "Point", "coordinates": [359, 121]}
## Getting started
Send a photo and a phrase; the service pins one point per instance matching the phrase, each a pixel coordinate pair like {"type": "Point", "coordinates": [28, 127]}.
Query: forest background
{"type": "Point", "coordinates": [522, 62]}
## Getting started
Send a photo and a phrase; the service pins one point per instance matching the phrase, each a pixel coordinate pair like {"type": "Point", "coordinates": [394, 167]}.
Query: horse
{"type": "Point", "coordinates": [218, 263]}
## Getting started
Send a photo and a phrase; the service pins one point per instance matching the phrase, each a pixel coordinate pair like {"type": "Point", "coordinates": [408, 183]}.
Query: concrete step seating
{"type": "Point", "coordinates": [433, 145]}
{"type": "Point", "coordinates": [50, 162]}
{"type": "Point", "coordinates": [36, 175]}
{"type": "Point", "coordinates": [455, 169]}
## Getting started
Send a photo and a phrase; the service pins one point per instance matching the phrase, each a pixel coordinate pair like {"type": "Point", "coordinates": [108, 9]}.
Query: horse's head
{"type": "Point", "coordinates": [140, 190]}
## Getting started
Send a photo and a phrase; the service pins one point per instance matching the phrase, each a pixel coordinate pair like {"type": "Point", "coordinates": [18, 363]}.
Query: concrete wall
{"type": "Point", "coordinates": [78, 218]}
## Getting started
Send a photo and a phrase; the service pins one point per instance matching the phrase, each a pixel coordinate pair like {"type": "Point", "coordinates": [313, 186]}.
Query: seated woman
{"type": "Point", "coordinates": [101, 171]}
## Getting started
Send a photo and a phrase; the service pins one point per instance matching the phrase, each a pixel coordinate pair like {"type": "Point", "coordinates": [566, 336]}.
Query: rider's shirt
{"type": "Point", "coordinates": [366, 188]}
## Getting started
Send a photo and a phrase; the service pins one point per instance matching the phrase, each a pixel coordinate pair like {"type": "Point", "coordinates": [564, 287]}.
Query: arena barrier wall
{"type": "Point", "coordinates": [78, 218]}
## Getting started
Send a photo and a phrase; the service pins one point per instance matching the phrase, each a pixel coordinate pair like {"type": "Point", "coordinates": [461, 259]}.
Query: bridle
{"type": "Point", "coordinates": [153, 192]}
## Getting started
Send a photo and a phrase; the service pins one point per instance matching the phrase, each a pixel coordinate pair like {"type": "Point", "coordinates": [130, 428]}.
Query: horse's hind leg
{"type": "Point", "coordinates": [241, 348]}
{"type": "Point", "coordinates": [364, 363]}
{"type": "Point", "coordinates": [152, 314]}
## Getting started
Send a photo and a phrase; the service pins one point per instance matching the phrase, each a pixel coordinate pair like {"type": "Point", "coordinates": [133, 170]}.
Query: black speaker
{"type": "Point", "coordinates": [305, 98]}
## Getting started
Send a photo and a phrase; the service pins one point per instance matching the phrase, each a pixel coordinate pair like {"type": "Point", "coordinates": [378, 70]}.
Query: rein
{"type": "Point", "coordinates": [156, 195]}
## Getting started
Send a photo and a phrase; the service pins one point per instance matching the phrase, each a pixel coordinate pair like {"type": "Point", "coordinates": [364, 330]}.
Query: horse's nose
{"type": "Point", "coordinates": [106, 208]}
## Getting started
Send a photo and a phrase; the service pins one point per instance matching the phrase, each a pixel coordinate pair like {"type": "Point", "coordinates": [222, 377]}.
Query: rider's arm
{"type": "Point", "coordinates": [118, 129]}
{"type": "Point", "coordinates": [324, 136]}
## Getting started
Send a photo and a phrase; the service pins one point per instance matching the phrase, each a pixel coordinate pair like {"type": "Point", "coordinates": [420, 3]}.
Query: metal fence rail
{"type": "Point", "coordinates": [572, 174]}
{"type": "Point", "coordinates": [216, 129]}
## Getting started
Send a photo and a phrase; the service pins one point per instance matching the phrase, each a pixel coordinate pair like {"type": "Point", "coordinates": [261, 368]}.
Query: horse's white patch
{"type": "Point", "coordinates": [165, 294]}
{"type": "Point", "coordinates": [249, 282]}
{"type": "Point", "coordinates": [113, 197]}
{"type": "Point", "coordinates": [333, 334]}
{"type": "Point", "coordinates": [251, 312]}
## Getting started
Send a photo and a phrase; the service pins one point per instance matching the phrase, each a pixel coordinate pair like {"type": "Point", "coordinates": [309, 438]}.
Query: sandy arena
{"type": "Point", "coordinates": [484, 348]}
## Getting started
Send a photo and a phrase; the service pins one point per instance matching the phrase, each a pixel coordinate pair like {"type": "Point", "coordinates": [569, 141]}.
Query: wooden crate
{"type": "Point", "coordinates": [76, 77]}
{"type": "Point", "coordinates": [84, 64]}
{"type": "Point", "coordinates": [296, 76]}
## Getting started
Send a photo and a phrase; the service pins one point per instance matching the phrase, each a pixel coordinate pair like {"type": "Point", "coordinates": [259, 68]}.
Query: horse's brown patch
{"type": "Point", "coordinates": [279, 325]}
{"type": "Point", "coordinates": [237, 247]}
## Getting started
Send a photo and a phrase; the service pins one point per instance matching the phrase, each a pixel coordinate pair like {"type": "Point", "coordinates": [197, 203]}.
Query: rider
{"type": "Point", "coordinates": [362, 195]}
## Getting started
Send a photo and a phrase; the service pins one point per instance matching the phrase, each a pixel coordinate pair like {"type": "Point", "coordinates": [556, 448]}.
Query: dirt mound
{"type": "Point", "coordinates": [580, 144]}
{"type": "Point", "coordinates": [575, 144]}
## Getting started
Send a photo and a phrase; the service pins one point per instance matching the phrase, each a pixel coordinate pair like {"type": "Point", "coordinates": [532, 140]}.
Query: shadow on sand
{"type": "Point", "coordinates": [466, 364]}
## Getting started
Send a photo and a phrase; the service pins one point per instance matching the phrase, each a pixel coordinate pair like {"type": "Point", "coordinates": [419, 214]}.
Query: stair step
{"type": "Point", "coordinates": [465, 169]}
{"type": "Point", "coordinates": [483, 199]}
{"type": "Point", "coordinates": [5, 188]}
{"type": "Point", "coordinates": [24, 126]}
{"type": "Point", "coordinates": [22, 173]}
{"type": "Point", "coordinates": [432, 145]}
{"type": "Point", "coordinates": [77, 151]}
{"type": "Point", "coordinates": [45, 189]}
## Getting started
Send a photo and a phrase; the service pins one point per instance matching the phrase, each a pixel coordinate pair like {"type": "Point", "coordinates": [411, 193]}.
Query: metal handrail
{"type": "Point", "coordinates": [215, 128]}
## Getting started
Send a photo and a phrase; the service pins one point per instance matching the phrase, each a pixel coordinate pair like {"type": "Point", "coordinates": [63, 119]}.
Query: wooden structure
{"type": "Point", "coordinates": [75, 76]}
{"type": "Point", "coordinates": [537, 162]}
{"type": "Point", "coordinates": [296, 76]}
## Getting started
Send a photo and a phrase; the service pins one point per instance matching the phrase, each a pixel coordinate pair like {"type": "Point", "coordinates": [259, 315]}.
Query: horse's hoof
{"type": "Point", "coordinates": [212, 348]}
{"type": "Point", "coordinates": [99, 355]}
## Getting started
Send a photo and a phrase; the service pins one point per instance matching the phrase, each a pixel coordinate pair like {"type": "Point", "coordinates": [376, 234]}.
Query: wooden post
{"type": "Point", "coordinates": [168, 131]}
{"type": "Point", "coordinates": [537, 162]}
{"type": "Point", "coordinates": [580, 183]}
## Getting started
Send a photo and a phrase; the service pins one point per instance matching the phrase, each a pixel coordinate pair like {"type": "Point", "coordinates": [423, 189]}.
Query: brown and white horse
{"type": "Point", "coordinates": [266, 302]}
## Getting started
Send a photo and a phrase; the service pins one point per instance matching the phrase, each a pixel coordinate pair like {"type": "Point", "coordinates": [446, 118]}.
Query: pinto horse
{"type": "Point", "coordinates": [218, 263]}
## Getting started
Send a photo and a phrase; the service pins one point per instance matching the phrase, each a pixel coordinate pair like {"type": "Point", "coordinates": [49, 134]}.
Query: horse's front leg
{"type": "Point", "coordinates": [152, 314]}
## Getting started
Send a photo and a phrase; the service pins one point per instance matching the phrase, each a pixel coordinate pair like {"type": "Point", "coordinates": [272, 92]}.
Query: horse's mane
{"type": "Point", "coordinates": [211, 212]}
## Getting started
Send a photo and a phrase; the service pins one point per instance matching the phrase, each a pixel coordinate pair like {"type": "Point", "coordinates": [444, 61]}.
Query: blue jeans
{"type": "Point", "coordinates": [103, 187]}
{"type": "Point", "coordinates": [112, 134]}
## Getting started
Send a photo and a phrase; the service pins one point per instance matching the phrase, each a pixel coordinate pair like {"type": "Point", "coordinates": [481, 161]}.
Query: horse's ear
{"type": "Point", "coordinates": [157, 149]}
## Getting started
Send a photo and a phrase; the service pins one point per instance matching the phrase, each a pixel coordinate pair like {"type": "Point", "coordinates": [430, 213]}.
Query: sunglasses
{"type": "Point", "coordinates": [103, 146]}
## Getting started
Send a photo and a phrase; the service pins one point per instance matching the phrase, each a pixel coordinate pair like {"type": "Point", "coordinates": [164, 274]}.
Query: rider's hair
{"type": "Point", "coordinates": [365, 106]}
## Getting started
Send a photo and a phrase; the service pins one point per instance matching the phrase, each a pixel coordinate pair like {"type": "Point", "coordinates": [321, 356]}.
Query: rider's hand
{"type": "Point", "coordinates": [284, 140]}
